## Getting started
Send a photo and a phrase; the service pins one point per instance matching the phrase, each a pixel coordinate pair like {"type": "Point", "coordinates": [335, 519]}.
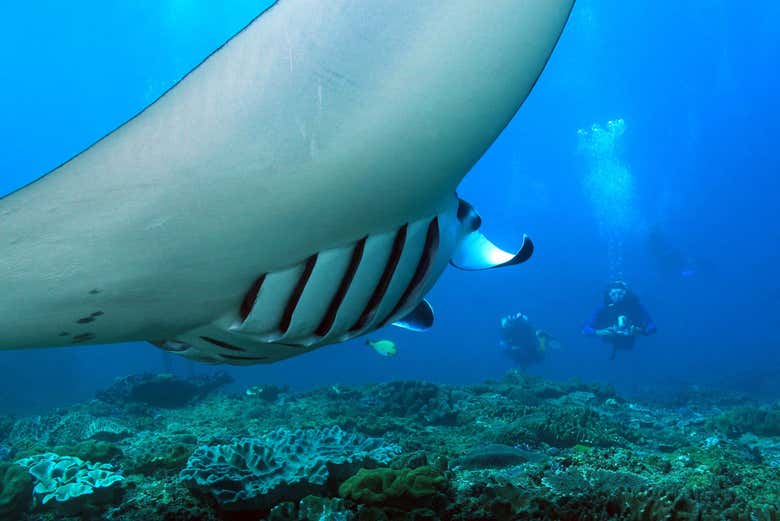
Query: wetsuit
{"type": "Point", "coordinates": [607, 316]}
{"type": "Point", "coordinates": [519, 340]}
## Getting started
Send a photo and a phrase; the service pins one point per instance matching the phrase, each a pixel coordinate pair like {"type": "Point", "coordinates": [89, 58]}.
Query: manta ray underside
{"type": "Point", "coordinates": [296, 189]}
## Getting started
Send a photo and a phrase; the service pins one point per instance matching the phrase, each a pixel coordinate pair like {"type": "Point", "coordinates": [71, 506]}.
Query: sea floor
{"type": "Point", "coordinates": [160, 447]}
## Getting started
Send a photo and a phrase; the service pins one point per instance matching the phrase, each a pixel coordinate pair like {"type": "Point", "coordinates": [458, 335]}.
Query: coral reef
{"type": "Point", "coordinates": [162, 390]}
{"type": "Point", "coordinates": [153, 452]}
{"type": "Point", "coordinates": [267, 393]}
{"type": "Point", "coordinates": [423, 401]}
{"type": "Point", "coordinates": [283, 465]}
{"type": "Point", "coordinates": [513, 449]}
{"type": "Point", "coordinates": [495, 455]}
{"type": "Point", "coordinates": [312, 507]}
{"type": "Point", "coordinates": [16, 487]}
{"type": "Point", "coordinates": [762, 421]}
{"type": "Point", "coordinates": [402, 488]}
{"type": "Point", "coordinates": [67, 429]}
{"type": "Point", "coordinates": [70, 485]}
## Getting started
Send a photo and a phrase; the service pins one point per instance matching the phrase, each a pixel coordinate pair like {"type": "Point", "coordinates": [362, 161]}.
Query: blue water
{"type": "Point", "coordinates": [696, 85]}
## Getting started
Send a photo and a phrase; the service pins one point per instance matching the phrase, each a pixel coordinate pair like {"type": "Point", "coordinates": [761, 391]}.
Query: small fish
{"type": "Point", "coordinates": [383, 347]}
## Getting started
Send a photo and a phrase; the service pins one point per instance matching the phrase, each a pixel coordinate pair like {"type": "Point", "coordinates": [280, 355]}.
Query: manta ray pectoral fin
{"type": "Point", "coordinates": [419, 319]}
{"type": "Point", "coordinates": [476, 252]}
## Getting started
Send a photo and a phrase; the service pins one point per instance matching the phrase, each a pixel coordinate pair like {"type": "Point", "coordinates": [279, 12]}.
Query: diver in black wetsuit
{"type": "Point", "coordinates": [620, 319]}
{"type": "Point", "coordinates": [522, 342]}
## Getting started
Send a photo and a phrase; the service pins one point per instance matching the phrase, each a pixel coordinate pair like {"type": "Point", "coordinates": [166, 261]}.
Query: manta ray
{"type": "Point", "coordinates": [295, 189]}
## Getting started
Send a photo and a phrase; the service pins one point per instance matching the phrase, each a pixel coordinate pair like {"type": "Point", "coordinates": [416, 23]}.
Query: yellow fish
{"type": "Point", "coordinates": [383, 347]}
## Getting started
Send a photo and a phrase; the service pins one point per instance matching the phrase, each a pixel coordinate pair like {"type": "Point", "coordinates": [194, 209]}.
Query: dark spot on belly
{"type": "Point", "coordinates": [97, 313]}
{"type": "Point", "coordinates": [83, 337]}
{"type": "Point", "coordinates": [85, 320]}
{"type": "Point", "coordinates": [94, 292]}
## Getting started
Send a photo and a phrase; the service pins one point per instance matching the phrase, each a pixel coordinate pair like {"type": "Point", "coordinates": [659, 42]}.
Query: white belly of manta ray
{"type": "Point", "coordinates": [295, 189]}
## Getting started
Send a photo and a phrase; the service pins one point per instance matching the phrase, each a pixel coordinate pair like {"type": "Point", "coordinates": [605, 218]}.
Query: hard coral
{"type": "Point", "coordinates": [403, 488]}
{"type": "Point", "coordinates": [162, 390]}
{"type": "Point", "coordinates": [16, 487]}
{"type": "Point", "coordinates": [494, 455]}
{"type": "Point", "coordinates": [762, 421]}
{"type": "Point", "coordinates": [68, 484]}
{"type": "Point", "coordinates": [427, 402]}
{"type": "Point", "coordinates": [569, 426]}
{"type": "Point", "coordinates": [283, 465]}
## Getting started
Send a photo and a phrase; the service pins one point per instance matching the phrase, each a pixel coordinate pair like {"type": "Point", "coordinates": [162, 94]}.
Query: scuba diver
{"type": "Point", "coordinates": [620, 319]}
{"type": "Point", "coordinates": [522, 342]}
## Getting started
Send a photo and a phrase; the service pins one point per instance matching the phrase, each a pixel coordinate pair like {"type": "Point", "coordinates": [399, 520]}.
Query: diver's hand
{"type": "Point", "coordinates": [607, 331]}
{"type": "Point", "coordinates": [636, 331]}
